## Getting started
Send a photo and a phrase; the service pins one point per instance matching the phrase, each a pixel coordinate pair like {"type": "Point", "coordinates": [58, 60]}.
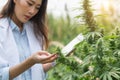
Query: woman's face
{"type": "Point", "coordinates": [26, 9]}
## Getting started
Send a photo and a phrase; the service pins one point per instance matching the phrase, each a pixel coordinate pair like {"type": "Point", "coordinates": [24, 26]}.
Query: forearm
{"type": "Point", "coordinates": [39, 57]}
{"type": "Point", "coordinates": [20, 68]}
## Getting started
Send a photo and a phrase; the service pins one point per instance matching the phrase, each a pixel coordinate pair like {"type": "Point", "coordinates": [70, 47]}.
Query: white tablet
{"type": "Point", "coordinates": [71, 45]}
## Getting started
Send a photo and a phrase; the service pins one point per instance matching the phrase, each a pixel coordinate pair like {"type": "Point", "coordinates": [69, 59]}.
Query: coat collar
{"type": "Point", "coordinates": [4, 23]}
{"type": "Point", "coordinates": [34, 43]}
{"type": "Point", "coordinates": [12, 55]}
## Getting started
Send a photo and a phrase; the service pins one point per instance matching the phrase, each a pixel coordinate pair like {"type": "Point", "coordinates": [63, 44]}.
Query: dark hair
{"type": "Point", "coordinates": [39, 20]}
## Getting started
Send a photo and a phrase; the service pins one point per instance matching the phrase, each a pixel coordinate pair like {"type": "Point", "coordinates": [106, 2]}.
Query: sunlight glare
{"type": "Point", "coordinates": [105, 4]}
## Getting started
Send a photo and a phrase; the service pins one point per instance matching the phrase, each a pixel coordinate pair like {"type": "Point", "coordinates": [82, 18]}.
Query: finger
{"type": "Point", "coordinates": [43, 53]}
{"type": "Point", "coordinates": [51, 59]}
{"type": "Point", "coordinates": [48, 57]}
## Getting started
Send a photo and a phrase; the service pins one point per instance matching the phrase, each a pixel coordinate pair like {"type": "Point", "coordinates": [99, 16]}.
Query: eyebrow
{"type": "Point", "coordinates": [34, 2]}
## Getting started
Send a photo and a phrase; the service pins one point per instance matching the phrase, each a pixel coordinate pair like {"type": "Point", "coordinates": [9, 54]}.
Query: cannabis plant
{"type": "Point", "coordinates": [97, 57]}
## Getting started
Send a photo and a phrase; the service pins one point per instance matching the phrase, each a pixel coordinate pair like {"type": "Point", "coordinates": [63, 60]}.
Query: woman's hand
{"type": "Point", "coordinates": [38, 57]}
{"type": "Point", "coordinates": [43, 57]}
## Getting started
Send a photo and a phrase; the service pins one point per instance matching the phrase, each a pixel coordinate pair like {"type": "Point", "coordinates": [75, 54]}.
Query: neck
{"type": "Point", "coordinates": [17, 22]}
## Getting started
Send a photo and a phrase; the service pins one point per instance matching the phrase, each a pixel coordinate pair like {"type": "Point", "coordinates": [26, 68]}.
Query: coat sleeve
{"type": "Point", "coordinates": [4, 66]}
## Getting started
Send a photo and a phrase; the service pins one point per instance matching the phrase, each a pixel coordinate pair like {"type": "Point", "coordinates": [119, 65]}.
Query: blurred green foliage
{"type": "Point", "coordinates": [61, 29]}
{"type": "Point", "coordinates": [97, 57]}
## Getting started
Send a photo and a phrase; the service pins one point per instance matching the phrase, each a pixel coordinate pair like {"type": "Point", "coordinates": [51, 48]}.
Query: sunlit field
{"type": "Point", "coordinates": [97, 57]}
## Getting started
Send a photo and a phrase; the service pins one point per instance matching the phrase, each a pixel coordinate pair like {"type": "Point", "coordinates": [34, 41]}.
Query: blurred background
{"type": "Point", "coordinates": [62, 21]}
{"type": "Point", "coordinates": [68, 18]}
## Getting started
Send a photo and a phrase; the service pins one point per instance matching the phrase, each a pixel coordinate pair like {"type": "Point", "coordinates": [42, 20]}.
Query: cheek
{"type": "Point", "coordinates": [20, 10]}
{"type": "Point", "coordinates": [21, 7]}
{"type": "Point", "coordinates": [24, 7]}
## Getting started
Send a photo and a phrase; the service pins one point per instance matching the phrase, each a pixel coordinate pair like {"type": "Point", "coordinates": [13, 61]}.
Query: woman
{"type": "Point", "coordinates": [23, 37]}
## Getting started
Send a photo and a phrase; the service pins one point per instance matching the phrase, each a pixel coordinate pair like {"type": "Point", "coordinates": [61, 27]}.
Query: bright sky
{"type": "Point", "coordinates": [2, 2]}
{"type": "Point", "coordinates": [57, 6]}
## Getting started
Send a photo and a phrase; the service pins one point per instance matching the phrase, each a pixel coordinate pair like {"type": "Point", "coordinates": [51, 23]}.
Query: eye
{"type": "Point", "coordinates": [30, 4]}
{"type": "Point", "coordinates": [37, 8]}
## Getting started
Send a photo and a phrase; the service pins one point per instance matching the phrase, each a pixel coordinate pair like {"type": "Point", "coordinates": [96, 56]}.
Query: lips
{"type": "Point", "coordinates": [27, 17]}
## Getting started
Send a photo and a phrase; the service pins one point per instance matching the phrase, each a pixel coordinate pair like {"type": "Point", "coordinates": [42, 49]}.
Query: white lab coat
{"type": "Point", "coordinates": [9, 55]}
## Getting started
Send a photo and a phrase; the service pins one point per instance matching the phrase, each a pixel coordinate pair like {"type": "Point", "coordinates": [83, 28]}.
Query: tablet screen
{"type": "Point", "coordinates": [71, 45]}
